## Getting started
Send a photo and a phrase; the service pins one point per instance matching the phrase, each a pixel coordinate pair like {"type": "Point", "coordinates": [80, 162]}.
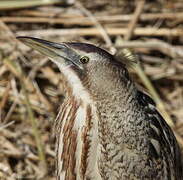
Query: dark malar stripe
{"type": "Point", "coordinates": [86, 141]}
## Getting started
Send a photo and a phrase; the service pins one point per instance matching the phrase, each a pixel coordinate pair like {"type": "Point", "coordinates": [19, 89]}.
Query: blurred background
{"type": "Point", "coordinates": [31, 90]}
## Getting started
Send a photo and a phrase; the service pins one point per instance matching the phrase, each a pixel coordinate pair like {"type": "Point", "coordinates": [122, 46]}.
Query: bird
{"type": "Point", "coordinates": [107, 129]}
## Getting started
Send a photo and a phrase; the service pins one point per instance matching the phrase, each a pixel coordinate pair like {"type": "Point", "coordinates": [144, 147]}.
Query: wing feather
{"type": "Point", "coordinates": [162, 133]}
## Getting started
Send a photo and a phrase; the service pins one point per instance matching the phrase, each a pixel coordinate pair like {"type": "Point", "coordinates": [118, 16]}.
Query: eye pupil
{"type": "Point", "coordinates": [84, 59]}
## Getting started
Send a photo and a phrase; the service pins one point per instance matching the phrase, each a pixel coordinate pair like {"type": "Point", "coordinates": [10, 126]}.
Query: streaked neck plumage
{"type": "Point", "coordinates": [77, 143]}
{"type": "Point", "coordinates": [90, 125]}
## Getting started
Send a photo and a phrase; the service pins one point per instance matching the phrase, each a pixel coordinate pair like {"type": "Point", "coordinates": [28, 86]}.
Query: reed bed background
{"type": "Point", "coordinates": [31, 90]}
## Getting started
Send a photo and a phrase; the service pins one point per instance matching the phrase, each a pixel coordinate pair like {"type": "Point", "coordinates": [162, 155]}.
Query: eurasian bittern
{"type": "Point", "coordinates": [107, 128]}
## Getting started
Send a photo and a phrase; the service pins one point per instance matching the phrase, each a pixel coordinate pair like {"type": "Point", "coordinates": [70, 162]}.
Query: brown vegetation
{"type": "Point", "coordinates": [31, 86]}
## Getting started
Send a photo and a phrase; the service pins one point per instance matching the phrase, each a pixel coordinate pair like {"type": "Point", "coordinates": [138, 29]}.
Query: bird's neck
{"type": "Point", "coordinates": [122, 131]}
{"type": "Point", "coordinates": [92, 124]}
{"type": "Point", "coordinates": [116, 111]}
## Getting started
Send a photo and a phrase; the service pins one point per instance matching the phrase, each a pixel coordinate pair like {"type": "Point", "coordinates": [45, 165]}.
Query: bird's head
{"type": "Point", "coordinates": [84, 66]}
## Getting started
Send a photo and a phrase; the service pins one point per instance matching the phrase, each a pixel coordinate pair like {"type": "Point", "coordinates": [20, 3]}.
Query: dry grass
{"type": "Point", "coordinates": [31, 86]}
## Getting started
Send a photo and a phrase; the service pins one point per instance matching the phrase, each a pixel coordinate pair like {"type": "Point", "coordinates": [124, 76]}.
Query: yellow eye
{"type": "Point", "coordinates": [84, 59]}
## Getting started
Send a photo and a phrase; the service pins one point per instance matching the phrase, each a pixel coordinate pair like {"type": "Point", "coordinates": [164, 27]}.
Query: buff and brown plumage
{"type": "Point", "coordinates": [107, 129]}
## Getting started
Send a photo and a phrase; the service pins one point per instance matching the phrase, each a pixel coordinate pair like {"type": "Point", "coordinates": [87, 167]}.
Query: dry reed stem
{"type": "Point", "coordinates": [16, 69]}
{"type": "Point", "coordinates": [154, 44]}
{"type": "Point", "coordinates": [17, 4]}
{"type": "Point", "coordinates": [139, 31]}
{"type": "Point", "coordinates": [72, 19]}
{"type": "Point", "coordinates": [133, 22]}
{"type": "Point", "coordinates": [96, 23]}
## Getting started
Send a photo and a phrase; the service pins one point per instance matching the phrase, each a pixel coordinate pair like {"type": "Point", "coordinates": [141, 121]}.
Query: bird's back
{"type": "Point", "coordinates": [163, 147]}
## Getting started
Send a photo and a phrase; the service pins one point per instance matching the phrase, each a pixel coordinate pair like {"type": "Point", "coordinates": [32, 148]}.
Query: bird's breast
{"type": "Point", "coordinates": [77, 141]}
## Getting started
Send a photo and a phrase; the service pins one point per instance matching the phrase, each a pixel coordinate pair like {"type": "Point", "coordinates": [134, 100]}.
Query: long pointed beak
{"type": "Point", "coordinates": [60, 53]}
